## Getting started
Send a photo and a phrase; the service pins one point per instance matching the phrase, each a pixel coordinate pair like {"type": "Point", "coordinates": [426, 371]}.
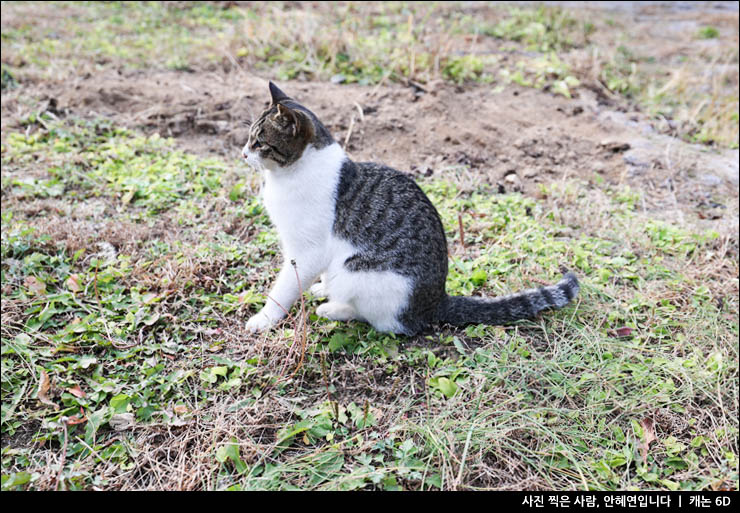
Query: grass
{"type": "Point", "coordinates": [129, 268]}
{"type": "Point", "coordinates": [126, 365]}
{"type": "Point", "coordinates": [544, 47]}
{"type": "Point", "coordinates": [129, 34]}
{"type": "Point", "coordinates": [708, 33]}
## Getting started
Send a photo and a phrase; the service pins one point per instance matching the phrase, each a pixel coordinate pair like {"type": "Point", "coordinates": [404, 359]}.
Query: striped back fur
{"type": "Point", "coordinates": [367, 230]}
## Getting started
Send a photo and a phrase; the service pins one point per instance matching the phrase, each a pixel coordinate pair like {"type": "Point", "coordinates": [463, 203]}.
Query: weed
{"type": "Point", "coordinates": [147, 335]}
{"type": "Point", "coordinates": [369, 43]}
{"type": "Point", "coordinates": [128, 268]}
{"type": "Point", "coordinates": [708, 33]}
{"type": "Point", "coordinates": [543, 29]}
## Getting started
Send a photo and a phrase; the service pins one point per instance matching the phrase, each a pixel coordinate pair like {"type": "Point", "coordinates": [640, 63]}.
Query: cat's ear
{"type": "Point", "coordinates": [277, 94]}
{"type": "Point", "coordinates": [292, 118]}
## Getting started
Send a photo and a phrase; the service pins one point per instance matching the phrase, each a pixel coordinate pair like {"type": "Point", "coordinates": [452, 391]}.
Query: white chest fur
{"type": "Point", "coordinates": [301, 202]}
{"type": "Point", "coordinates": [301, 199]}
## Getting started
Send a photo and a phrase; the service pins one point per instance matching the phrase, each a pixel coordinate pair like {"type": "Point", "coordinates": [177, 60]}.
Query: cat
{"type": "Point", "coordinates": [368, 231]}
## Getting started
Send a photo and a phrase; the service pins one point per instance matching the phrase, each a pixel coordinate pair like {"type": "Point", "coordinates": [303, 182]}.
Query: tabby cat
{"type": "Point", "coordinates": [368, 231]}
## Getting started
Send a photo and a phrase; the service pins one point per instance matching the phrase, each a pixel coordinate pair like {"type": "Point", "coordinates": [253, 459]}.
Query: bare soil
{"type": "Point", "coordinates": [512, 141]}
{"type": "Point", "coordinates": [518, 140]}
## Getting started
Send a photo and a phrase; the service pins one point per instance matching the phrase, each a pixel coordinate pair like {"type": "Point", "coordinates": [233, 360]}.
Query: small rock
{"type": "Point", "coordinates": [633, 161]}
{"type": "Point", "coordinates": [513, 180]}
{"type": "Point", "coordinates": [635, 165]}
{"type": "Point", "coordinates": [710, 180]}
{"type": "Point", "coordinates": [122, 421]}
{"type": "Point", "coordinates": [614, 146]}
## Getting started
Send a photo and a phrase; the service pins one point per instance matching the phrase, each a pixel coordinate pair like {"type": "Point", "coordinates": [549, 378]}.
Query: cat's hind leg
{"type": "Point", "coordinates": [320, 288]}
{"type": "Point", "coordinates": [376, 297]}
{"type": "Point", "coordinates": [337, 311]}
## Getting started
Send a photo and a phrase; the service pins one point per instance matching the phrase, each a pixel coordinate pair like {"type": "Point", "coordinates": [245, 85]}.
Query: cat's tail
{"type": "Point", "coordinates": [460, 310]}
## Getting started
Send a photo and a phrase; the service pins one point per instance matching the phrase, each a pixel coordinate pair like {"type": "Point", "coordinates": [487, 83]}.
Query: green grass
{"type": "Point", "coordinates": [708, 33]}
{"type": "Point", "coordinates": [132, 34]}
{"type": "Point", "coordinates": [542, 29]}
{"type": "Point", "coordinates": [367, 43]}
{"type": "Point", "coordinates": [129, 268]}
{"type": "Point", "coordinates": [153, 382]}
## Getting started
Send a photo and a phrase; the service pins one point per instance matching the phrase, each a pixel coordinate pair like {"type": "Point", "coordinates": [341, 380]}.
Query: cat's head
{"type": "Point", "coordinates": [281, 134]}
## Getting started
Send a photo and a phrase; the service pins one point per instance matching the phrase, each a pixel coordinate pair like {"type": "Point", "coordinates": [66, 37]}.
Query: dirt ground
{"type": "Point", "coordinates": [514, 140]}
{"type": "Point", "coordinates": [517, 139]}
{"type": "Point", "coordinates": [521, 139]}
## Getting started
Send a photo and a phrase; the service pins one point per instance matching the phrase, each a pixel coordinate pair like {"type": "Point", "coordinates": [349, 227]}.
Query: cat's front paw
{"type": "Point", "coordinates": [259, 322]}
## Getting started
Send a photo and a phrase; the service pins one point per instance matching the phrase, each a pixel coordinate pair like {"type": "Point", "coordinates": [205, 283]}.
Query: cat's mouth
{"type": "Point", "coordinates": [248, 157]}
{"type": "Point", "coordinates": [253, 160]}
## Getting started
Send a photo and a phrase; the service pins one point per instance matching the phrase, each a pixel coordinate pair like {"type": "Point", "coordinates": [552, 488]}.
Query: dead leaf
{"type": "Point", "coordinates": [76, 391]}
{"type": "Point", "coordinates": [622, 332]}
{"type": "Point", "coordinates": [176, 421]}
{"type": "Point", "coordinates": [721, 486]}
{"type": "Point", "coordinates": [180, 409]}
{"type": "Point", "coordinates": [44, 386]}
{"type": "Point", "coordinates": [61, 348]}
{"type": "Point", "coordinates": [35, 285]}
{"type": "Point", "coordinates": [648, 431]}
{"type": "Point", "coordinates": [73, 283]}
{"type": "Point", "coordinates": [149, 298]}
{"type": "Point", "coordinates": [128, 197]}
{"type": "Point", "coordinates": [149, 321]}
{"type": "Point", "coordinates": [377, 413]}
{"type": "Point", "coordinates": [77, 419]}
{"type": "Point", "coordinates": [122, 421]}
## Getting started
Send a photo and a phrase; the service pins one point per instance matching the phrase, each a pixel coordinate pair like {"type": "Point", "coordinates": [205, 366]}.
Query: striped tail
{"type": "Point", "coordinates": [459, 310]}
